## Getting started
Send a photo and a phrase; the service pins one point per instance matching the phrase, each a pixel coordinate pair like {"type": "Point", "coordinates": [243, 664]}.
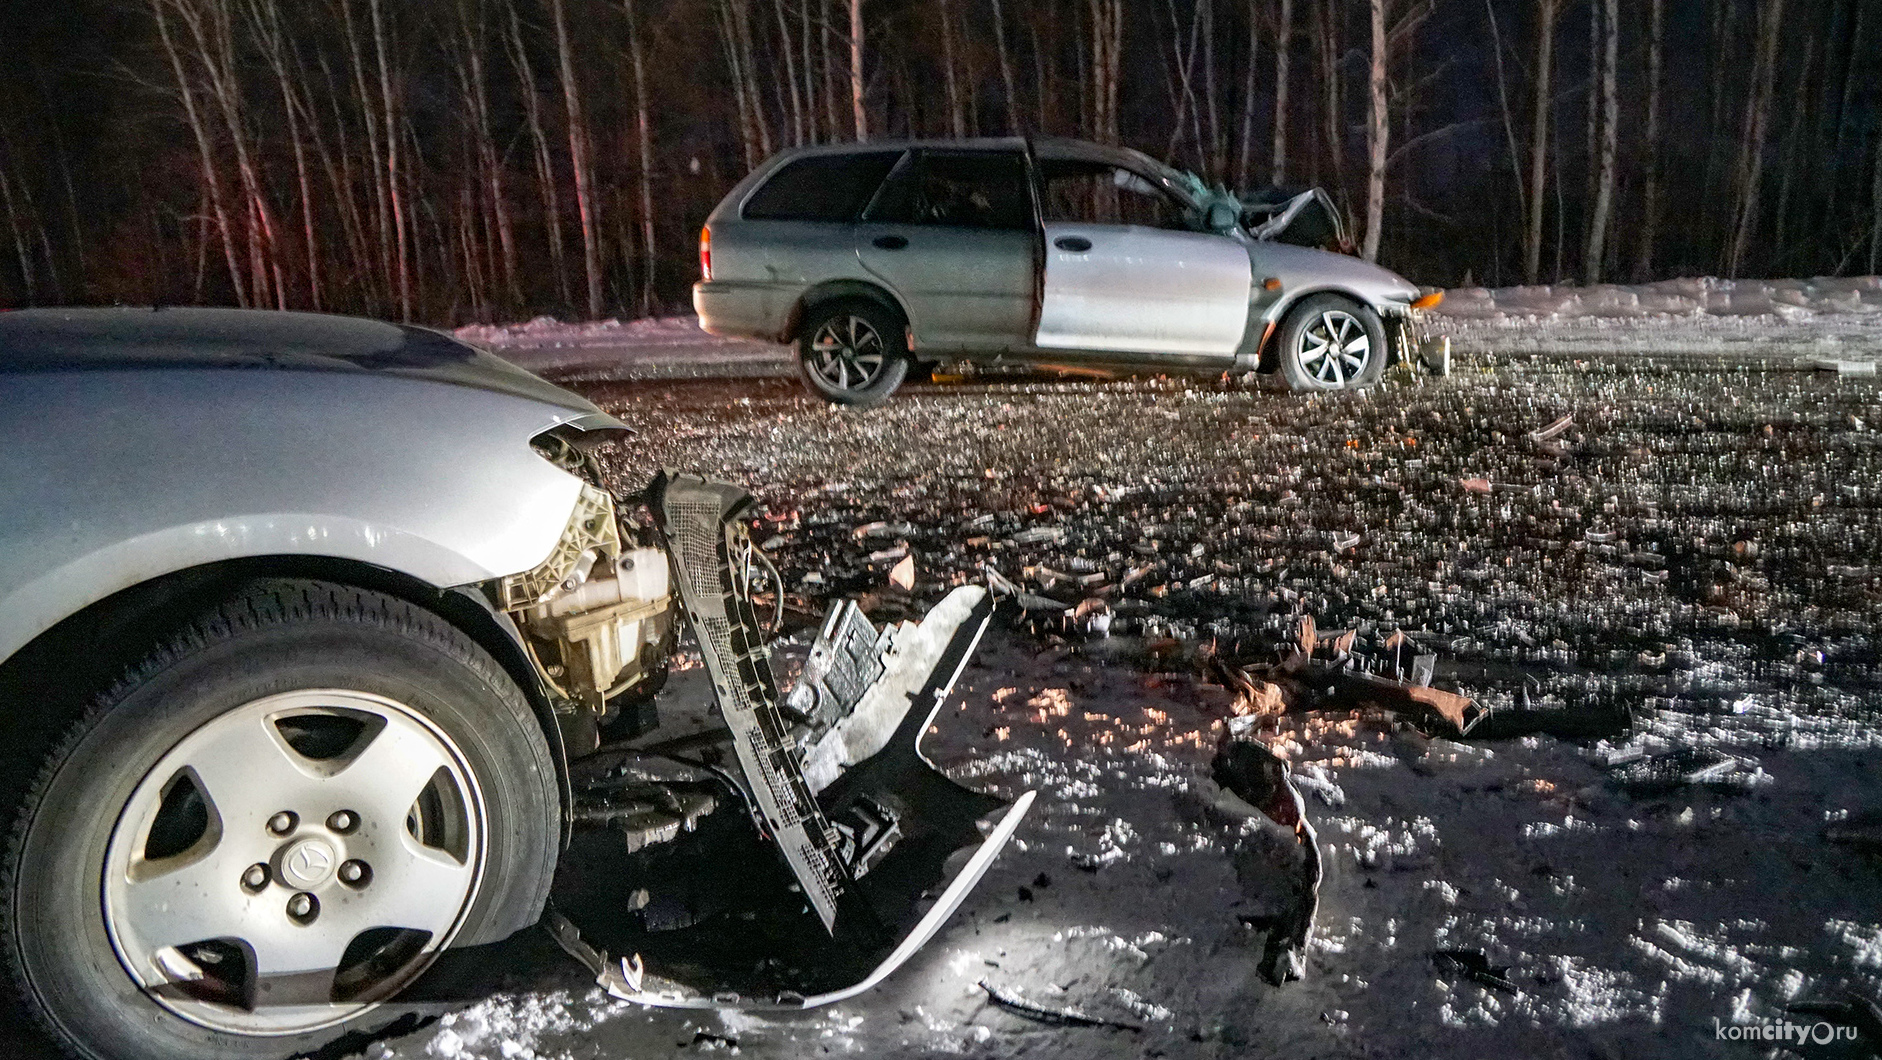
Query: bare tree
{"type": "Point", "coordinates": [957, 116]}
{"type": "Point", "coordinates": [1546, 12]}
{"type": "Point", "coordinates": [1609, 118]}
{"type": "Point", "coordinates": [206, 158]}
{"type": "Point", "coordinates": [1283, 36]}
{"type": "Point", "coordinates": [856, 70]}
{"type": "Point", "coordinates": [585, 203]}
{"type": "Point", "coordinates": [545, 164]}
{"type": "Point", "coordinates": [1752, 137]}
{"type": "Point", "coordinates": [1006, 69]}
{"type": "Point", "coordinates": [1650, 144]}
{"type": "Point", "coordinates": [1377, 129]}
{"type": "Point", "coordinates": [649, 292]}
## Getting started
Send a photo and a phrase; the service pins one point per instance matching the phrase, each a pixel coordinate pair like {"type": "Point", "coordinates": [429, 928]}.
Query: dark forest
{"type": "Point", "coordinates": [446, 161]}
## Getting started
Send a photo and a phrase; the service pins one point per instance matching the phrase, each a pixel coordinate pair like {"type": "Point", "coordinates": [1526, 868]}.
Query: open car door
{"type": "Point", "coordinates": [881, 845]}
{"type": "Point", "coordinates": [1123, 271]}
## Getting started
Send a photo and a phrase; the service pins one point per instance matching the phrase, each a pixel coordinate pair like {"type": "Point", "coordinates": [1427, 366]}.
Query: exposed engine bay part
{"type": "Point", "coordinates": [596, 615]}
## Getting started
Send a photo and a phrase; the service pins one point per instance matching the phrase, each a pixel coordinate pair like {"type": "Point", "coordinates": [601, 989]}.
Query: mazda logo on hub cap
{"type": "Point", "coordinates": [308, 862]}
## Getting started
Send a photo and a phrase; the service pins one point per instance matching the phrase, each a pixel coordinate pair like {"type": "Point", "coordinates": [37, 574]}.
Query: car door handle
{"type": "Point", "coordinates": [1075, 244]}
{"type": "Point", "coordinates": [891, 242]}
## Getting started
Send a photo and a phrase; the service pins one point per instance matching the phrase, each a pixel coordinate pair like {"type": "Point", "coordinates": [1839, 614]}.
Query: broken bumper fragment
{"type": "Point", "coordinates": [882, 845]}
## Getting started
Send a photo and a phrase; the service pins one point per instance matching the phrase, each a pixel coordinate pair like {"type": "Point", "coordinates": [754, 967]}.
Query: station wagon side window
{"type": "Point", "coordinates": [1097, 193]}
{"type": "Point", "coordinates": [828, 188]}
{"type": "Point", "coordinates": [958, 189]}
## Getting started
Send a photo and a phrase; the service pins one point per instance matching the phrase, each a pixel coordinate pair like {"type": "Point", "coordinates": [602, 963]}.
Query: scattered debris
{"type": "Point", "coordinates": [1863, 830]}
{"type": "Point", "coordinates": [1476, 485]}
{"type": "Point", "coordinates": [1475, 966]}
{"type": "Point", "coordinates": [1688, 767]}
{"type": "Point", "coordinates": [1543, 434]}
{"type": "Point", "coordinates": [1252, 773]}
{"type": "Point", "coordinates": [902, 576]}
{"type": "Point", "coordinates": [1061, 1017]}
{"type": "Point", "coordinates": [1855, 1011]}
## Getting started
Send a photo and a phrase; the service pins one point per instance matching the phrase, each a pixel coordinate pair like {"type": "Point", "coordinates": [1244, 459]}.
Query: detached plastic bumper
{"type": "Point", "coordinates": [883, 847]}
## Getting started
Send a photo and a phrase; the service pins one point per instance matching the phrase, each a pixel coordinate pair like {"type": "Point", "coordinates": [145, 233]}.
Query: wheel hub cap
{"type": "Point", "coordinates": [294, 861]}
{"type": "Point", "coordinates": [307, 863]}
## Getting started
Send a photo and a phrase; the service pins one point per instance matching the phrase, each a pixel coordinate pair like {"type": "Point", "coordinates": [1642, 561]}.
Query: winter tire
{"type": "Point", "coordinates": [1330, 342]}
{"type": "Point", "coordinates": [853, 352]}
{"type": "Point", "coordinates": [272, 825]}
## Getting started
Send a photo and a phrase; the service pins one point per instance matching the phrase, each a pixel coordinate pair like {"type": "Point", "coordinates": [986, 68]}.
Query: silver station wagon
{"type": "Point", "coordinates": [876, 259]}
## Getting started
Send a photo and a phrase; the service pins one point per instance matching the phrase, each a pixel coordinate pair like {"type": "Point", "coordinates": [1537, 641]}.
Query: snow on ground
{"type": "Point", "coordinates": [1697, 547]}
{"type": "Point", "coordinates": [1767, 321]}
{"type": "Point", "coordinates": [1775, 320]}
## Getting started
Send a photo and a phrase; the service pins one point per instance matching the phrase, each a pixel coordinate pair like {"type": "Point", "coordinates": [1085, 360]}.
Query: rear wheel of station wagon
{"type": "Point", "coordinates": [853, 352]}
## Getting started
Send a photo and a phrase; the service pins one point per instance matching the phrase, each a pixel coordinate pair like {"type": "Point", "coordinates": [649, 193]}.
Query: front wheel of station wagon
{"type": "Point", "coordinates": [1330, 342]}
{"type": "Point", "coordinates": [272, 826]}
{"type": "Point", "coordinates": [853, 353]}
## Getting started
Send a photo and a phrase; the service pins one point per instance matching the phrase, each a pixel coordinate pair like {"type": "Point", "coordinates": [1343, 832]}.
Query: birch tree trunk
{"type": "Point", "coordinates": [649, 297]}
{"type": "Point", "coordinates": [957, 118]}
{"type": "Point", "coordinates": [1610, 138]}
{"type": "Point", "coordinates": [1283, 38]}
{"type": "Point", "coordinates": [1650, 145]}
{"type": "Point", "coordinates": [1377, 130]}
{"type": "Point", "coordinates": [205, 152]}
{"type": "Point", "coordinates": [545, 164]}
{"type": "Point", "coordinates": [1013, 125]}
{"type": "Point", "coordinates": [1331, 124]}
{"type": "Point", "coordinates": [1546, 11]}
{"type": "Point", "coordinates": [856, 71]}
{"type": "Point", "coordinates": [798, 135]}
{"type": "Point", "coordinates": [585, 203]}
{"type": "Point", "coordinates": [1751, 140]}
{"type": "Point", "coordinates": [395, 192]}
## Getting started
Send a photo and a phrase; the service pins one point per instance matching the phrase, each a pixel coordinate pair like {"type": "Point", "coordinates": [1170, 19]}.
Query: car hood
{"type": "Point", "coordinates": [156, 339]}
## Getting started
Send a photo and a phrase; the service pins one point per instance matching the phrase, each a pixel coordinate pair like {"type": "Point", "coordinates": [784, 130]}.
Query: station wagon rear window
{"type": "Point", "coordinates": [821, 188]}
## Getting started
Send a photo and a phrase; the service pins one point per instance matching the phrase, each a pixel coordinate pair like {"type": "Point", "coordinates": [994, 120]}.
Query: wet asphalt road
{"type": "Point", "coordinates": [1707, 541]}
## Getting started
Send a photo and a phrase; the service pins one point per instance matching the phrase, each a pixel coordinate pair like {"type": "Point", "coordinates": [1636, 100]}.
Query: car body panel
{"type": "Point", "coordinates": [1135, 289]}
{"type": "Point", "coordinates": [142, 444]}
{"type": "Point", "coordinates": [963, 288]}
{"type": "Point", "coordinates": [766, 303]}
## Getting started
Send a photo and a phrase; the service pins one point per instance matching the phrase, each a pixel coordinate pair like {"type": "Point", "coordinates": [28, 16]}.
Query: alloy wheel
{"type": "Point", "coordinates": [1334, 348]}
{"type": "Point", "coordinates": [294, 861]}
{"type": "Point", "coordinates": [847, 353]}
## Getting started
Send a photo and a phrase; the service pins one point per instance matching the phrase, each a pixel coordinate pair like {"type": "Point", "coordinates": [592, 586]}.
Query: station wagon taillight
{"type": "Point", "coordinates": [705, 253]}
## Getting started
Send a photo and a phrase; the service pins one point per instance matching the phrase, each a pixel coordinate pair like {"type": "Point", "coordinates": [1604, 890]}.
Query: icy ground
{"type": "Point", "coordinates": [1762, 322]}
{"type": "Point", "coordinates": [1700, 550]}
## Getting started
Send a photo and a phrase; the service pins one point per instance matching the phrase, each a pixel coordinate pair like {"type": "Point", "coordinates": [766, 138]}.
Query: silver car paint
{"type": "Point", "coordinates": [1143, 290]}
{"type": "Point", "coordinates": [121, 466]}
{"type": "Point", "coordinates": [962, 288]}
{"type": "Point", "coordinates": [1304, 271]}
{"type": "Point", "coordinates": [765, 306]}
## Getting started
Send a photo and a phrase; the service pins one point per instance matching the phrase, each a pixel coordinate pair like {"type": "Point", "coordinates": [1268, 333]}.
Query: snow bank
{"type": "Point", "coordinates": [1739, 320]}
{"type": "Point", "coordinates": [1782, 321]}
{"type": "Point", "coordinates": [1689, 299]}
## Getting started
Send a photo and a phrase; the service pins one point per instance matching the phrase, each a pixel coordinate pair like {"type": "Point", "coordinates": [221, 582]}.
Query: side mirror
{"type": "Point", "coordinates": [1222, 216]}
